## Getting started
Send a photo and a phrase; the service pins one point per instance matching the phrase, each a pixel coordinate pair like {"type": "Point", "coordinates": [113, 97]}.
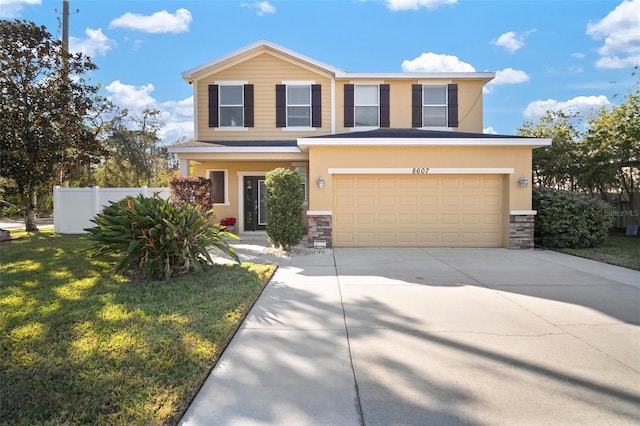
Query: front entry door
{"type": "Point", "coordinates": [255, 215]}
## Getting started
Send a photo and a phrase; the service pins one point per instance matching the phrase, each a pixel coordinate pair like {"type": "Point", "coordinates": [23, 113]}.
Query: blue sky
{"type": "Point", "coordinates": [547, 54]}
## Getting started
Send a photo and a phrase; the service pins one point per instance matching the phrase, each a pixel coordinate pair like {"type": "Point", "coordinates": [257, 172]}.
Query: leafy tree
{"type": "Point", "coordinates": [135, 157]}
{"type": "Point", "coordinates": [558, 164]}
{"type": "Point", "coordinates": [45, 103]}
{"type": "Point", "coordinates": [613, 142]}
{"type": "Point", "coordinates": [284, 207]}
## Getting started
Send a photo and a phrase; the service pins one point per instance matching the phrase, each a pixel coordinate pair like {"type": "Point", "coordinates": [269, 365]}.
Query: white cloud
{"type": "Point", "coordinates": [620, 30]}
{"type": "Point", "coordinates": [131, 97]}
{"type": "Point", "coordinates": [510, 76]}
{"type": "Point", "coordinates": [96, 43]}
{"type": "Point", "coordinates": [615, 62]}
{"type": "Point", "coordinates": [512, 41]}
{"type": "Point", "coordinates": [262, 7]}
{"type": "Point", "coordinates": [489, 131]}
{"type": "Point", "coordinates": [578, 55]}
{"type": "Point", "coordinates": [434, 62]}
{"type": "Point", "coordinates": [11, 8]}
{"type": "Point", "coordinates": [159, 22]}
{"type": "Point", "coordinates": [506, 76]}
{"type": "Point", "coordinates": [417, 4]}
{"type": "Point", "coordinates": [583, 105]}
{"type": "Point", "coordinates": [177, 116]}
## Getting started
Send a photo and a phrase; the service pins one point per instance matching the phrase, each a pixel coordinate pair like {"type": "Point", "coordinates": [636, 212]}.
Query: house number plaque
{"type": "Point", "coordinates": [420, 170]}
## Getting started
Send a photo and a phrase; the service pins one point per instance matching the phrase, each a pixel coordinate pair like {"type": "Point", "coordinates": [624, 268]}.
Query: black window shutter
{"type": "Point", "coordinates": [452, 105]}
{"type": "Point", "coordinates": [248, 105]}
{"type": "Point", "coordinates": [281, 105]}
{"type": "Point", "coordinates": [316, 105]}
{"type": "Point", "coordinates": [217, 186]}
{"type": "Point", "coordinates": [385, 105]}
{"type": "Point", "coordinates": [416, 105]}
{"type": "Point", "coordinates": [348, 105]}
{"type": "Point", "coordinates": [213, 105]}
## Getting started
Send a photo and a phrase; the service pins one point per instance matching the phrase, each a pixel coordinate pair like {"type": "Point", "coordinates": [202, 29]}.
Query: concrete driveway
{"type": "Point", "coordinates": [433, 336]}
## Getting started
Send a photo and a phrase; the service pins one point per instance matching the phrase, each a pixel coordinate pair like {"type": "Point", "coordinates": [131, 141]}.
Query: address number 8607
{"type": "Point", "coordinates": [420, 170]}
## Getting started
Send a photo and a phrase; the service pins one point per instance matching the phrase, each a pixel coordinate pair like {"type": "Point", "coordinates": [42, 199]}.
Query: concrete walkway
{"type": "Point", "coordinates": [432, 336]}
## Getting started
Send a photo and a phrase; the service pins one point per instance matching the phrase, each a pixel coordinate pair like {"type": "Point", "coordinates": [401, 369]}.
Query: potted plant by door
{"type": "Point", "coordinates": [229, 223]}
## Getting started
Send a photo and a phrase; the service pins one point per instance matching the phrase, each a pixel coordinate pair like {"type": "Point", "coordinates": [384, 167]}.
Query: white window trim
{"type": "Point", "coordinates": [298, 129]}
{"type": "Point", "coordinates": [445, 105]}
{"type": "Point", "coordinates": [308, 128]}
{"type": "Point", "coordinates": [231, 128]}
{"type": "Point", "coordinates": [226, 185]}
{"type": "Point", "coordinates": [363, 129]}
{"type": "Point", "coordinates": [355, 106]}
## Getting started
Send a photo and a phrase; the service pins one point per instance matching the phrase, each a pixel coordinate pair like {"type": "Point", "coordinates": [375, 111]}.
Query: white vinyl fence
{"type": "Point", "coordinates": [73, 208]}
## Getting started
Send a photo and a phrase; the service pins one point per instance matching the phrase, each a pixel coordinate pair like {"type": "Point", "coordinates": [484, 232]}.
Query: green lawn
{"type": "Point", "coordinates": [617, 250]}
{"type": "Point", "coordinates": [78, 345]}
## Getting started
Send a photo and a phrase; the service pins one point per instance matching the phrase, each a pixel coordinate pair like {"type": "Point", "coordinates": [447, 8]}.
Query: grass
{"type": "Point", "coordinates": [79, 345]}
{"type": "Point", "coordinates": [617, 250]}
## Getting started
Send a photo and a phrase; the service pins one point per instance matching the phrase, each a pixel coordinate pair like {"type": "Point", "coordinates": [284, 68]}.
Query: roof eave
{"type": "Point", "coordinates": [305, 143]}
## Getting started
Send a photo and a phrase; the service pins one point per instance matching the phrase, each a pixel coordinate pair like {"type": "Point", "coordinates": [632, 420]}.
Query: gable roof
{"type": "Point", "coordinates": [190, 75]}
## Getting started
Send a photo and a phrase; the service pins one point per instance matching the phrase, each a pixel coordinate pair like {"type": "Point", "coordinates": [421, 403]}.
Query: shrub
{"type": "Point", "coordinates": [569, 219]}
{"type": "Point", "coordinates": [284, 207]}
{"type": "Point", "coordinates": [156, 238]}
{"type": "Point", "coordinates": [195, 190]}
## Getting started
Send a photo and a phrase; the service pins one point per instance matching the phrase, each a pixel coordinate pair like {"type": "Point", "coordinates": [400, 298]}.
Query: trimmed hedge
{"type": "Point", "coordinates": [569, 219]}
{"type": "Point", "coordinates": [284, 207]}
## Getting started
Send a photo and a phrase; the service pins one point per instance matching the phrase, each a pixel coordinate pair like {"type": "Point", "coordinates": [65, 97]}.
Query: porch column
{"type": "Point", "coordinates": [184, 167]}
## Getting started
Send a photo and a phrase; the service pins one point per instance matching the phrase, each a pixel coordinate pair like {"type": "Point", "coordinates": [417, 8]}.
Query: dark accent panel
{"type": "Point", "coordinates": [213, 105]}
{"type": "Point", "coordinates": [349, 93]}
{"type": "Point", "coordinates": [281, 105]}
{"type": "Point", "coordinates": [385, 102]}
{"type": "Point", "coordinates": [452, 105]}
{"type": "Point", "coordinates": [416, 105]}
{"type": "Point", "coordinates": [248, 105]}
{"type": "Point", "coordinates": [217, 184]}
{"type": "Point", "coordinates": [316, 105]}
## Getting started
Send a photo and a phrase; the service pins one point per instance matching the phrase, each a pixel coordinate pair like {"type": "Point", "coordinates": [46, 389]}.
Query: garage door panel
{"type": "Point", "coordinates": [425, 210]}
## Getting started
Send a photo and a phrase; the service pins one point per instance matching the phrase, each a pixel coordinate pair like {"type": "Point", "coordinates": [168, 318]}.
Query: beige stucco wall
{"type": "Point", "coordinates": [323, 158]}
{"type": "Point", "coordinates": [264, 70]}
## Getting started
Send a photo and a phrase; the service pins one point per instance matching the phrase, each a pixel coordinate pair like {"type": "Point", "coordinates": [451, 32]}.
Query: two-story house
{"type": "Point", "coordinates": [395, 159]}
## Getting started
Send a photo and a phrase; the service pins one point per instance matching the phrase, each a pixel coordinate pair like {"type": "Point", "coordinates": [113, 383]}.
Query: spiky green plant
{"type": "Point", "coordinates": [156, 238]}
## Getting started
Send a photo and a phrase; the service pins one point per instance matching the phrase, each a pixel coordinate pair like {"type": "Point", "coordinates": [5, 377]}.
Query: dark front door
{"type": "Point", "coordinates": [255, 215]}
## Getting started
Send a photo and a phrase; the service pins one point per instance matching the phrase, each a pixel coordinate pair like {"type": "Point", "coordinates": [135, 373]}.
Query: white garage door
{"type": "Point", "coordinates": [418, 210]}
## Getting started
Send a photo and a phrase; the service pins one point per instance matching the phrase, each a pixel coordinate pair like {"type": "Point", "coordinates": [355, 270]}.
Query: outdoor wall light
{"type": "Point", "coordinates": [320, 182]}
{"type": "Point", "coordinates": [523, 181]}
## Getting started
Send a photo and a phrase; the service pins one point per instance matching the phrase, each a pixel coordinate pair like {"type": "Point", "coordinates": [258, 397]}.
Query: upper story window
{"type": "Point", "coordinates": [298, 105]}
{"type": "Point", "coordinates": [435, 105]}
{"type": "Point", "coordinates": [366, 105]}
{"type": "Point", "coordinates": [231, 105]}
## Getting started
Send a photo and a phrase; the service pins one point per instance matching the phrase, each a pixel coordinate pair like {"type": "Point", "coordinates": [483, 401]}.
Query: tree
{"type": "Point", "coordinates": [613, 140]}
{"type": "Point", "coordinates": [135, 157]}
{"type": "Point", "coordinates": [558, 164]}
{"type": "Point", "coordinates": [45, 103]}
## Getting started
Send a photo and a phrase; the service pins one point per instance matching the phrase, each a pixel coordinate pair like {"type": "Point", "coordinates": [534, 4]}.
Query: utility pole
{"type": "Point", "coordinates": [65, 25]}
